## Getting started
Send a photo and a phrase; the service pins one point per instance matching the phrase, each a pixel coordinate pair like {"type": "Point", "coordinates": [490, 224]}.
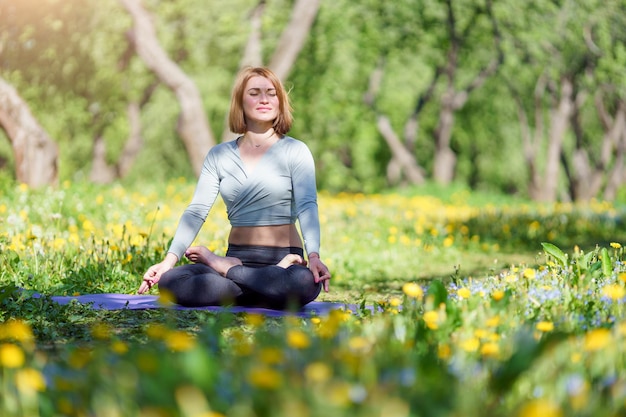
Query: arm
{"type": "Point", "coordinates": [305, 197]}
{"type": "Point", "coordinates": [190, 223]}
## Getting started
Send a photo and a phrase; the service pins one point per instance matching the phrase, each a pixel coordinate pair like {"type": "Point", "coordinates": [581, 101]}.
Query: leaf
{"type": "Point", "coordinates": [607, 263]}
{"type": "Point", "coordinates": [438, 291]}
{"type": "Point", "coordinates": [555, 252]}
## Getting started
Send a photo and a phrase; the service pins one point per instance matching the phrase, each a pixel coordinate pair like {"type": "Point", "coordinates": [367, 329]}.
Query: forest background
{"type": "Point", "coordinates": [525, 98]}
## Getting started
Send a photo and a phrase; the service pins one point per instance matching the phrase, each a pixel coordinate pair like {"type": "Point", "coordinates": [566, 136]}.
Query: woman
{"type": "Point", "coordinates": [267, 180]}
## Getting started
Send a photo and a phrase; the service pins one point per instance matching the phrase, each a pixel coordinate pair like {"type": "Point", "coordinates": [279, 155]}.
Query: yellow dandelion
{"type": "Point", "coordinates": [431, 318]}
{"type": "Point", "coordinates": [297, 339]}
{"type": "Point", "coordinates": [614, 291]}
{"type": "Point", "coordinates": [17, 330]}
{"type": "Point", "coordinates": [615, 245]}
{"type": "Point", "coordinates": [318, 372]}
{"type": "Point", "coordinates": [597, 339]}
{"type": "Point", "coordinates": [119, 347]}
{"type": "Point", "coordinates": [545, 326]}
{"type": "Point", "coordinates": [622, 277]}
{"type": "Point", "coordinates": [529, 273]}
{"type": "Point", "coordinates": [540, 407]}
{"type": "Point", "coordinates": [490, 350]}
{"type": "Point", "coordinates": [493, 321]}
{"type": "Point", "coordinates": [413, 290]}
{"type": "Point", "coordinates": [464, 292]}
{"type": "Point", "coordinates": [101, 331]}
{"type": "Point", "coordinates": [29, 380]}
{"type": "Point", "coordinates": [180, 341]}
{"type": "Point", "coordinates": [497, 295]}
{"type": "Point", "coordinates": [264, 377]}
{"type": "Point", "coordinates": [359, 344]}
{"type": "Point", "coordinates": [271, 356]}
{"type": "Point", "coordinates": [316, 320]}
{"type": "Point", "coordinates": [254, 319]}
{"type": "Point", "coordinates": [156, 331]}
{"type": "Point", "coordinates": [470, 345]}
{"type": "Point", "coordinates": [444, 351]}
{"type": "Point", "coordinates": [11, 356]}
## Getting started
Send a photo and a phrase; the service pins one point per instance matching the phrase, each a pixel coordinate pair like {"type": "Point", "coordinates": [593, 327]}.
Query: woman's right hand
{"type": "Point", "coordinates": [153, 274]}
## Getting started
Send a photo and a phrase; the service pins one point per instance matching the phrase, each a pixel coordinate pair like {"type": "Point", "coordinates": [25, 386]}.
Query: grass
{"type": "Point", "coordinates": [485, 305]}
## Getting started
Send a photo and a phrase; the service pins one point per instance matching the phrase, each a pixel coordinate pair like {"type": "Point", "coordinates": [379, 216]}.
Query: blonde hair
{"type": "Point", "coordinates": [236, 117]}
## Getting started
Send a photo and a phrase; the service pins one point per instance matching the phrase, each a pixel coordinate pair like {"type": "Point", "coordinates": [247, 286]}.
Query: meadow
{"type": "Point", "coordinates": [466, 304]}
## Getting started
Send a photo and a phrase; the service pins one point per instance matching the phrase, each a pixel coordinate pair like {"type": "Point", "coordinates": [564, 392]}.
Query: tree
{"type": "Point", "coordinates": [35, 153]}
{"type": "Point", "coordinates": [459, 27]}
{"type": "Point", "coordinates": [193, 126]}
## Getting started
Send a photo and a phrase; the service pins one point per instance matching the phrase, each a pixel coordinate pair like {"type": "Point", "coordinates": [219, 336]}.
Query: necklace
{"type": "Point", "coordinates": [262, 141]}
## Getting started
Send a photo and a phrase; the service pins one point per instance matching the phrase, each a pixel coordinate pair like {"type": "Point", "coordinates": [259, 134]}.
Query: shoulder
{"type": "Point", "coordinates": [221, 149]}
{"type": "Point", "coordinates": [295, 145]}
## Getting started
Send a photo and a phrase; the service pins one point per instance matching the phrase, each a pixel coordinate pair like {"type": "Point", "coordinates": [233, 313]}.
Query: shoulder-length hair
{"type": "Point", "coordinates": [236, 117]}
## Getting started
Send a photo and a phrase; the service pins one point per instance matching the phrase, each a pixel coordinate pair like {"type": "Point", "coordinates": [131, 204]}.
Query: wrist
{"type": "Point", "coordinates": [314, 255]}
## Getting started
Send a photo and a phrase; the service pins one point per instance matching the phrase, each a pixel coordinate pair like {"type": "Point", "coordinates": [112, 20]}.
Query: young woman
{"type": "Point", "coordinates": [267, 181]}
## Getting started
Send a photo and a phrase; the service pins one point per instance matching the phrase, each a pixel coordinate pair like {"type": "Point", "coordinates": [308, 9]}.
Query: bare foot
{"type": "Point", "coordinates": [201, 254]}
{"type": "Point", "coordinates": [291, 259]}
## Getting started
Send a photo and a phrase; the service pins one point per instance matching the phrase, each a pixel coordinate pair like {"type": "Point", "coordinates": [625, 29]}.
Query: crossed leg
{"type": "Point", "coordinates": [202, 254]}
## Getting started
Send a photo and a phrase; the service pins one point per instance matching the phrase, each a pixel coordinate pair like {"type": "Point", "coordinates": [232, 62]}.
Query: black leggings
{"type": "Point", "coordinates": [259, 282]}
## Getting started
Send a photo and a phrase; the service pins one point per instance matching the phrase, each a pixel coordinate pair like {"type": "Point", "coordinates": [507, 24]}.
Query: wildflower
{"type": "Point", "coordinates": [444, 351]}
{"type": "Point", "coordinates": [622, 277]}
{"type": "Point", "coordinates": [413, 290]}
{"type": "Point", "coordinates": [529, 273]}
{"type": "Point", "coordinates": [540, 407]}
{"type": "Point", "coordinates": [17, 330]}
{"type": "Point", "coordinates": [614, 292]}
{"type": "Point", "coordinates": [493, 321]}
{"type": "Point", "coordinates": [359, 344]}
{"type": "Point", "coordinates": [298, 339]}
{"type": "Point", "coordinates": [545, 326]}
{"type": "Point", "coordinates": [615, 245]}
{"type": "Point", "coordinates": [597, 339]}
{"type": "Point", "coordinates": [497, 295]}
{"type": "Point", "coordinates": [264, 377]}
{"type": "Point", "coordinates": [29, 379]}
{"type": "Point", "coordinates": [470, 345]}
{"type": "Point", "coordinates": [119, 347]}
{"type": "Point", "coordinates": [271, 355]}
{"type": "Point", "coordinates": [156, 331]}
{"type": "Point", "coordinates": [431, 318]}
{"type": "Point", "coordinates": [101, 331]}
{"type": "Point", "coordinates": [254, 319]}
{"type": "Point", "coordinates": [11, 356]}
{"type": "Point", "coordinates": [464, 292]}
{"type": "Point", "coordinates": [490, 350]}
{"type": "Point", "coordinates": [318, 372]}
{"type": "Point", "coordinates": [179, 341]}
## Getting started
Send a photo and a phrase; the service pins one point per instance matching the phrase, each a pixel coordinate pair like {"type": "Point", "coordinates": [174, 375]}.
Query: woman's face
{"type": "Point", "coordinates": [260, 101]}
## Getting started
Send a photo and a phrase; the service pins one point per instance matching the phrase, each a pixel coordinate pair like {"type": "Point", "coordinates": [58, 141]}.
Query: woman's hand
{"type": "Point", "coordinates": [320, 271]}
{"type": "Point", "coordinates": [153, 274]}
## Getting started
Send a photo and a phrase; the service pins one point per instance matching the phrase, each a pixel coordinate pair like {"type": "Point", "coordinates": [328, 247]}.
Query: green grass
{"type": "Point", "coordinates": [486, 305]}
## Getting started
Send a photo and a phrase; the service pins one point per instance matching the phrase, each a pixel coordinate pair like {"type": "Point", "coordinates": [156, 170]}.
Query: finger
{"type": "Point", "coordinates": [143, 287]}
{"type": "Point", "coordinates": [326, 285]}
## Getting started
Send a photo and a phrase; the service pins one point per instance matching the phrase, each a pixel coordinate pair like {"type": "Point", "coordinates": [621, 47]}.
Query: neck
{"type": "Point", "coordinates": [259, 138]}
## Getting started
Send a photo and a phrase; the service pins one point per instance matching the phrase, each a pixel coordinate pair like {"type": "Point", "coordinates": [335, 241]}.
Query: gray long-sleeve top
{"type": "Point", "coordinates": [280, 189]}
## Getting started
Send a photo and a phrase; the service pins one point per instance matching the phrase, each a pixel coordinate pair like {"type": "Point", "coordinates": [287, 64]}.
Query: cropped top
{"type": "Point", "coordinates": [280, 189]}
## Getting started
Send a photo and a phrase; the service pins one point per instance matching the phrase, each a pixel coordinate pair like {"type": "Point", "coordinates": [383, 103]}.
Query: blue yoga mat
{"type": "Point", "coordinates": [143, 302]}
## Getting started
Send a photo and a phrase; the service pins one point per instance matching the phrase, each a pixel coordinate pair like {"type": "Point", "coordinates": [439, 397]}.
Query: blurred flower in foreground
{"type": "Point", "coordinates": [540, 408]}
{"type": "Point", "coordinates": [413, 290]}
{"type": "Point", "coordinates": [597, 339]}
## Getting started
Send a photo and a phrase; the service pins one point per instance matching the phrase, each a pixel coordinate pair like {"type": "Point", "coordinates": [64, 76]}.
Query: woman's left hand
{"type": "Point", "coordinates": [320, 271]}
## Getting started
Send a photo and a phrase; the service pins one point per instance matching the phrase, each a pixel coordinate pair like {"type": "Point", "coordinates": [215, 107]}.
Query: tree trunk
{"type": "Point", "coordinates": [559, 120]}
{"type": "Point", "coordinates": [294, 37]}
{"type": "Point", "coordinates": [402, 161]}
{"type": "Point", "coordinates": [193, 126]}
{"type": "Point", "coordinates": [36, 155]}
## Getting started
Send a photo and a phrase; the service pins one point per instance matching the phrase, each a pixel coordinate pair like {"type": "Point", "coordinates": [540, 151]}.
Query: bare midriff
{"type": "Point", "coordinates": [284, 235]}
